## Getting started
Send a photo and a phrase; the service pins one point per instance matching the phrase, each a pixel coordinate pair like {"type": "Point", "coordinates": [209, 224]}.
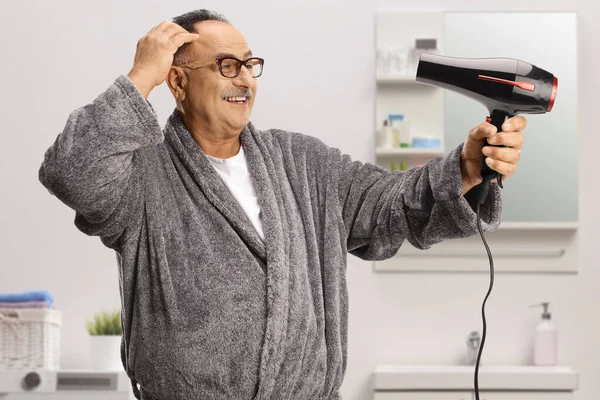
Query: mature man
{"type": "Point", "coordinates": [232, 242]}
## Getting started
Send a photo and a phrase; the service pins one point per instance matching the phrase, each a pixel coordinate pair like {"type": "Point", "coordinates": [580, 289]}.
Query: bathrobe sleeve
{"type": "Point", "coordinates": [92, 165]}
{"type": "Point", "coordinates": [424, 205]}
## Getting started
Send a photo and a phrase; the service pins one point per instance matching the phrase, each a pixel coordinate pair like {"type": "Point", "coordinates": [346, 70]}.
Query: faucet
{"type": "Point", "coordinates": [473, 343]}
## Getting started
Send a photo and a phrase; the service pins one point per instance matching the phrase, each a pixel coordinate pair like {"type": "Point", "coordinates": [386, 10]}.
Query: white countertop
{"type": "Point", "coordinates": [11, 381]}
{"type": "Point", "coordinates": [451, 377]}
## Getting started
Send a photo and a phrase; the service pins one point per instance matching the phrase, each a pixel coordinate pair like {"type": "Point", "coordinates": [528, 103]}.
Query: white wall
{"type": "Point", "coordinates": [59, 55]}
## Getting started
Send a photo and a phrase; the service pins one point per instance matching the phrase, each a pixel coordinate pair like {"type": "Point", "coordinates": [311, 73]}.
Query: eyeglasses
{"type": "Point", "coordinates": [230, 67]}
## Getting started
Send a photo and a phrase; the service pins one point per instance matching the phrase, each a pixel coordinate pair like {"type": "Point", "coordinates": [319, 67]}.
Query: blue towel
{"type": "Point", "coordinates": [34, 295]}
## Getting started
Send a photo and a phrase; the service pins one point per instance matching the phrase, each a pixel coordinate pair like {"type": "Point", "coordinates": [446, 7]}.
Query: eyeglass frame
{"type": "Point", "coordinates": [195, 65]}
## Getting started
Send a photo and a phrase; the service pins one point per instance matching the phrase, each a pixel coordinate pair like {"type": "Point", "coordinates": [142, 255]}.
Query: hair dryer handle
{"type": "Point", "coordinates": [497, 118]}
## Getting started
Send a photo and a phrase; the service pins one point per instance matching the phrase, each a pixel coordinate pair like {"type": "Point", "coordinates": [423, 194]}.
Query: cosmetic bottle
{"type": "Point", "coordinates": [545, 340]}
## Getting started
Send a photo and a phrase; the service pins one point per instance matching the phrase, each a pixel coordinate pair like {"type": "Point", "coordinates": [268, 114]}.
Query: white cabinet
{"type": "Point", "coordinates": [454, 382]}
{"type": "Point", "coordinates": [471, 396]}
{"type": "Point", "coordinates": [423, 396]}
{"type": "Point", "coordinates": [526, 396]}
{"type": "Point", "coordinates": [64, 385]}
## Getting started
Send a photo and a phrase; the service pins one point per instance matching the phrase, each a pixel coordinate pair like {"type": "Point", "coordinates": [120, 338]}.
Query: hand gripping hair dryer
{"type": "Point", "coordinates": [505, 86]}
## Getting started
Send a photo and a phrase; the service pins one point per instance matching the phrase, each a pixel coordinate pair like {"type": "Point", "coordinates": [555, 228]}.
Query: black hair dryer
{"type": "Point", "coordinates": [505, 86]}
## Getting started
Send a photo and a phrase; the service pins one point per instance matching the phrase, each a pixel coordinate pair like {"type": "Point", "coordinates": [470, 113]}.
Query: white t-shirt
{"type": "Point", "coordinates": [234, 172]}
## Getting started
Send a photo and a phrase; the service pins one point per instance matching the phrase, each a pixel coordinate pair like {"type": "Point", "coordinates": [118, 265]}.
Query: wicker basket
{"type": "Point", "coordinates": [29, 338]}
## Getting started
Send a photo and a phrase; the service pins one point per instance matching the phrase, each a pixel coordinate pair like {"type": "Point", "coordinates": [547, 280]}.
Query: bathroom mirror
{"type": "Point", "coordinates": [545, 186]}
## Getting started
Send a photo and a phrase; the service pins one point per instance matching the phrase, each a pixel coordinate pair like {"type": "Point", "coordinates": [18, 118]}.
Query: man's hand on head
{"type": "Point", "coordinates": [154, 55]}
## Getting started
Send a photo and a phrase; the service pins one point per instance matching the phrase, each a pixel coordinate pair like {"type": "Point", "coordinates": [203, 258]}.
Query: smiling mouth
{"type": "Point", "coordinates": [236, 99]}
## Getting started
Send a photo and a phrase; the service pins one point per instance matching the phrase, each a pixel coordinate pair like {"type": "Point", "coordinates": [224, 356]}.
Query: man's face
{"type": "Point", "coordinates": [208, 95]}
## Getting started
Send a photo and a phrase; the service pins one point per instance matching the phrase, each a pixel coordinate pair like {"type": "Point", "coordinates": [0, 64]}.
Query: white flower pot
{"type": "Point", "coordinates": [106, 352]}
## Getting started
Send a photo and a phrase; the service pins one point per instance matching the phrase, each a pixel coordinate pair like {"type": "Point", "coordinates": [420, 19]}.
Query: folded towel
{"type": "Point", "coordinates": [34, 295]}
{"type": "Point", "coordinates": [25, 304]}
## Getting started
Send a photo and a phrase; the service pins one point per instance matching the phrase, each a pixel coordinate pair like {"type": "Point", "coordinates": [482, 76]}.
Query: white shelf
{"type": "Point", "coordinates": [440, 377]}
{"type": "Point", "coordinates": [542, 226]}
{"type": "Point", "coordinates": [397, 78]}
{"type": "Point", "coordinates": [547, 259]}
{"type": "Point", "coordinates": [409, 151]}
{"type": "Point", "coordinates": [469, 252]}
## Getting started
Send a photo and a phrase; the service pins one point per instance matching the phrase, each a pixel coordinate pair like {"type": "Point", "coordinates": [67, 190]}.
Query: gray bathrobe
{"type": "Point", "coordinates": [209, 310]}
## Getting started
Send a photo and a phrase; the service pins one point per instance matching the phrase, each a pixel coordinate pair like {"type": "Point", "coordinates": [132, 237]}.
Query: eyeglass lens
{"type": "Point", "coordinates": [230, 67]}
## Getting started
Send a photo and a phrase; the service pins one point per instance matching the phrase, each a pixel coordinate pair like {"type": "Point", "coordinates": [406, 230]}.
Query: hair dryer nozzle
{"type": "Point", "coordinates": [502, 85]}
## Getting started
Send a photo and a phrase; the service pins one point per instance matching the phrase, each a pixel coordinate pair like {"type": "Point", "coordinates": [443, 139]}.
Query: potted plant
{"type": "Point", "coordinates": [105, 340]}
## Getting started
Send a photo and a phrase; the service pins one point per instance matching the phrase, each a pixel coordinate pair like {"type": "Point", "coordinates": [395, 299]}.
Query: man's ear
{"type": "Point", "coordinates": [177, 80]}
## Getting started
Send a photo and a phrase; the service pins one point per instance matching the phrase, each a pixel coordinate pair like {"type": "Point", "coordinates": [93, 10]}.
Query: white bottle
{"type": "Point", "coordinates": [385, 135]}
{"type": "Point", "coordinates": [545, 341]}
{"type": "Point", "coordinates": [404, 133]}
{"type": "Point", "coordinates": [400, 61]}
{"type": "Point", "coordinates": [402, 130]}
{"type": "Point", "coordinates": [383, 59]}
{"type": "Point", "coordinates": [395, 135]}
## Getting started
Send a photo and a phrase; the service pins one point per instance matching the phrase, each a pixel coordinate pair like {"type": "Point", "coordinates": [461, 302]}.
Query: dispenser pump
{"type": "Point", "coordinates": [545, 314]}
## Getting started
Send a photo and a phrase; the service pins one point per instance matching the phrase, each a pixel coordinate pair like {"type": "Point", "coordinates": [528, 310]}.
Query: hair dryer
{"type": "Point", "coordinates": [505, 86]}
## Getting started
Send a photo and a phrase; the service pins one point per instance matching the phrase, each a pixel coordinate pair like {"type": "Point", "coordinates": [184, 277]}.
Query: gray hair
{"type": "Point", "coordinates": [188, 22]}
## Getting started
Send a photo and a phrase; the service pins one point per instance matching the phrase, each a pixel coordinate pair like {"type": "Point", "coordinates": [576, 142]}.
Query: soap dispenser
{"type": "Point", "coordinates": [545, 343]}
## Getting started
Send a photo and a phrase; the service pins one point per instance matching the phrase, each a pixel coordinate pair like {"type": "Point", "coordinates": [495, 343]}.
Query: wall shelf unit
{"type": "Point", "coordinates": [398, 92]}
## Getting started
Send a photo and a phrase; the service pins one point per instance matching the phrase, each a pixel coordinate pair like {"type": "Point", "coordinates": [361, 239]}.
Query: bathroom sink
{"type": "Point", "coordinates": [458, 377]}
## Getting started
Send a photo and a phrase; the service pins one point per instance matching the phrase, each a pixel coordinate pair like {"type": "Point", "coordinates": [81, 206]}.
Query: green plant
{"type": "Point", "coordinates": [105, 323]}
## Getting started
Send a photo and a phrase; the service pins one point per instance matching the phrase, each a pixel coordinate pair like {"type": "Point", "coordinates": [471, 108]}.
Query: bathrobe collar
{"type": "Point", "coordinates": [211, 184]}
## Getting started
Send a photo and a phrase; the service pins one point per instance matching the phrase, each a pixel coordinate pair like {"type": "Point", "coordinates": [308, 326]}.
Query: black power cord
{"type": "Point", "coordinates": [481, 196]}
{"type": "Point", "coordinates": [484, 301]}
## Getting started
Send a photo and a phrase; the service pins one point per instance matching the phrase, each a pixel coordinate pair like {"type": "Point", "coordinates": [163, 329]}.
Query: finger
{"type": "Point", "coordinates": [500, 166]}
{"type": "Point", "coordinates": [482, 131]}
{"type": "Point", "coordinates": [182, 38]}
{"type": "Point", "coordinates": [505, 154]}
{"type": "Point", "coordinates": [161, 26]}
{"type": "Point", "coordinates": [173, 29]}
{"type": "Point", "coordinates": [516, 123]}
{"type": "Point", "coordinates": [509, 139]}
{"type": "Point", "coordinates": [169, 28]}
{"type": "Point", "coordinates": [495, 180]}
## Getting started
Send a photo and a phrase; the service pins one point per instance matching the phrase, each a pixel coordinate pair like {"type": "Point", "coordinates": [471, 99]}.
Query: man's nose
{"type": "Point", "coordinates": [244, 79]}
